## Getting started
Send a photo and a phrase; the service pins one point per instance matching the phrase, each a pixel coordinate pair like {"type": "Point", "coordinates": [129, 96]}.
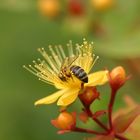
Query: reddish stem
{"type": "Point", "coordinates": [90, 114]}
{"type": "Point", "coordinates": [77, 129]}
{"type": "Point", "coordinates": [120, 137]}
{"type": "Point", "coordinates": [100, 124]}
{"type": "Point", "coordinates": [82, 130]}
{"type": "Point", "coordinates": [110, 108]}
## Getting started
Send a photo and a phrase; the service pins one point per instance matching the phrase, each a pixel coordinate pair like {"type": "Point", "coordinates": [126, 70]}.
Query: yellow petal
{"type": "Point", "coordinates": [51, 98]}
{"type": "Point", "coordinates": [97, 78]}
{"type": "Point", "coordinates": [68, 98]}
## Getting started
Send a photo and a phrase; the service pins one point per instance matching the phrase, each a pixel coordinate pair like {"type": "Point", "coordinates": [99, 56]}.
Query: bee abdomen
{"type": "Point", "coordinates": [79, 73]}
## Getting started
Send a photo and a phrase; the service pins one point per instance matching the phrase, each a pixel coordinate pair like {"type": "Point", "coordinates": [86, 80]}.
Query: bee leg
{"type": "Point", "coordinates": [68, 74]}
{"type": "Point", "coordinates": [82, 86]}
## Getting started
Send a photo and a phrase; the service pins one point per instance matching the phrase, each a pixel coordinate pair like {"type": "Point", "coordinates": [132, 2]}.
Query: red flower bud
{"type": "Point", "coordinates": [89, 95]}
{"type": "Point", "coordinates": [65, 121]}
{"type": "Point", "coordinates": [117, 77]}
{"type": "Point", "coordinates": [83, 116]}
{"type": "Point", "coordinates": [76, 7]}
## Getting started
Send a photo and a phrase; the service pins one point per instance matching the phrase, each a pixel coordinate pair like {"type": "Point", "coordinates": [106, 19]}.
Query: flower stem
{"type": "Point", "coordinates": [77, 129]}
{"type": "Point", "coordinates": [107, 130]}
{"type": "Point", "coordinates": [110, 107]}
{"type": "Point", "coordinates": [90, 114]}
{"type": "Point", "coordinates": [100, 124]}
{"type": "Point", "coordinates": [120, 137]}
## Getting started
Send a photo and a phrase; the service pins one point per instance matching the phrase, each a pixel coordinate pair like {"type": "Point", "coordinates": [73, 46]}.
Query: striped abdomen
{"type": "Point", "coordinates": [79, 73]}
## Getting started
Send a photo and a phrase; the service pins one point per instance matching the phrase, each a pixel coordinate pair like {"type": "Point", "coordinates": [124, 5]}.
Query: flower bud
{"type": "Point", "coordinates": [89, 95]}
{"type": "Point", "coordinates": [76, 7]}
{"type": "Point", "coordinates": [49, 8]}
{"type": "Point", "coordinates": [117, 77]}
{"type": "Point", "coordinates": [65, 121]}
{"type": "Point", "coordinates": [83, 116]}
{"type": "Point", "coordinates": [101, 5]}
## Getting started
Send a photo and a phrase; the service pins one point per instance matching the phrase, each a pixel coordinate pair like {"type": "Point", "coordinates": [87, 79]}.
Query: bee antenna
{"type": "Point", "coordinates": [73, 61]}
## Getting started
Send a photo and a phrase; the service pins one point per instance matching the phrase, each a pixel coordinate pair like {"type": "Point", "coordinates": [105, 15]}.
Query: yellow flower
{"type": "Point", "coordinates": [48, 70]}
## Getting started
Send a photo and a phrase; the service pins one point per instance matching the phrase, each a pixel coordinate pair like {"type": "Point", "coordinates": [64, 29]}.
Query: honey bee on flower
{"type": "Point", "coordinates": [67, 72]}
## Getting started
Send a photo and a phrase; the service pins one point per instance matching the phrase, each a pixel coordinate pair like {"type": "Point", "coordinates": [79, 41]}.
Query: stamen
{"type": "Point", "coordinates": [39, 60]}
{"type": "Point", "coordinates": [28, 69]}
{"type": "Point", "coordinates": [45, 74]}
{"type": "Point", "coordinates": [32, 68]}
{"type": "Point", "coordinates": [45, 55]}
{"type": "Point", "coordinates": [62, 51]}
{"type": "Point", "coordinates": [54, 64]}
{"type": "Point", "coordinates": [35, 62]}
{"type": "Point", "coordinates": [58, 53]}
{"type": "Point", "coordinates": [78, 48]}
{"type": "Point", "coordinates": [55, 57]}
{"type": "Point", "coordinates": [70, 49]}
{"type": "Point", "coordinates": [45, 81]}
{"type": "Point", "coordinates": [97, 57]}
{"type": "Point", "coordinates": [47, 67]}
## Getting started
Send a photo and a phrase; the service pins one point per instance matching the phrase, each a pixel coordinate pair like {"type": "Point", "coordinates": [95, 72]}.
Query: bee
{"type": "Point", "coordinates": [68, 69]}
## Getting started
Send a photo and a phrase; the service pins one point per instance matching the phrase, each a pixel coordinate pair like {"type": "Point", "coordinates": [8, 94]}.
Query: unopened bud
{"type": "Point", "coordinates": [89, 95]}
{"type": "Point", "coordinates": [65, 121]}
{"type": "Point", "coordinates": [76, 7]}
{"type": "Point", "coordinates": [49, 8]}
{"type": "Point", "coordinates": [83, 116]}
{"type": "Point", "coordinates": [102, 5]}
{"type": "Point", "coordinates": [117, 77]}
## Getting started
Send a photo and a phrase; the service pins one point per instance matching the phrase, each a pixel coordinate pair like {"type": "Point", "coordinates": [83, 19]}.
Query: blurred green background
{"type": "Point", "coordinates": [23, 30]}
